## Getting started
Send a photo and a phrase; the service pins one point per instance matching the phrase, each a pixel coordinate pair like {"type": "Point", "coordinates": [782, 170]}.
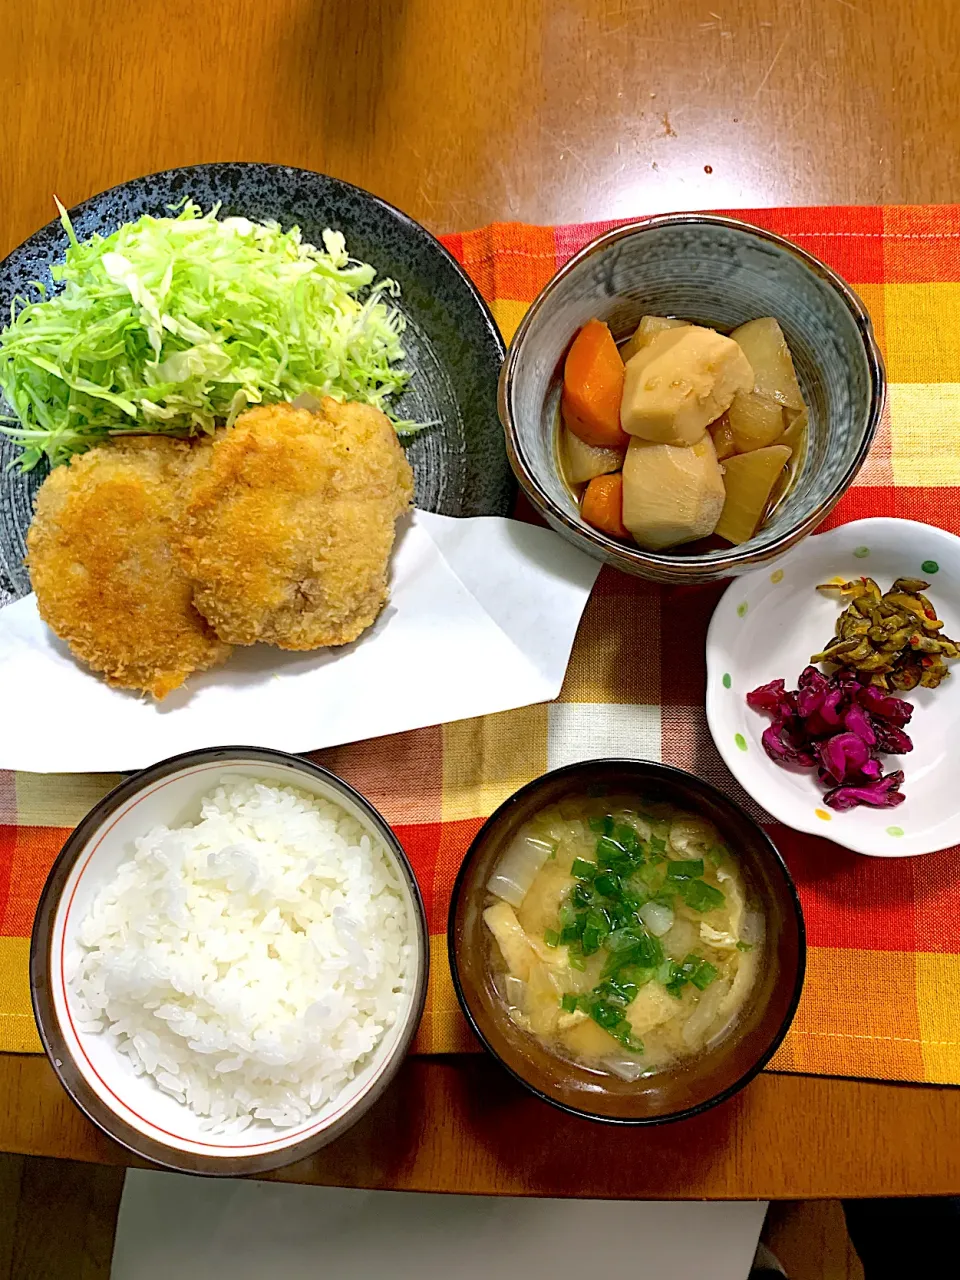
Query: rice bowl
{"type": "Point", "coordinates": [248, 962]}
{"type": "Point", "coordinates": [229, 960]}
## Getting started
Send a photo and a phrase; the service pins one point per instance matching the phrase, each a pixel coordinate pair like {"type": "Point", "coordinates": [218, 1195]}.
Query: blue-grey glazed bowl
{"type": "Point", "coordinates": [714, 271]}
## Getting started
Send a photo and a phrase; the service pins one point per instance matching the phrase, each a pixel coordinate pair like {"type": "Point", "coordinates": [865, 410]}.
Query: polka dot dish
{"type": "Point", "coordinates": [768, 624]}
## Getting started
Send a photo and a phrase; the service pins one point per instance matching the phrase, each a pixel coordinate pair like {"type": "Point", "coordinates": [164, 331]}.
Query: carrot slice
{"type": "Point", "coordinates": [593, 388]}
{"type": "Point", "coordinates": [602, 505]}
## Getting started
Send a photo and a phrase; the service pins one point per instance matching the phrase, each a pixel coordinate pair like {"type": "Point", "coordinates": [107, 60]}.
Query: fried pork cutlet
{"type": "Point", "coordinates": [103, 566]}
{"type": "Point", "coordinates": [289, 528]}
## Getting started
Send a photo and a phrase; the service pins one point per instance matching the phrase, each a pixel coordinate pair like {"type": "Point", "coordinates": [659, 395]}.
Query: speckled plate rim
{"type": "Point", "coordinates": [730, 603]}
{"type": "Point", "coordinates": [56, 1043]}
{"type": "Point", "coordinates": [715, 563]}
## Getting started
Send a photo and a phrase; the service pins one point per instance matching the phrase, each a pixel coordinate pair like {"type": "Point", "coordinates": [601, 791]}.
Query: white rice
{"type": "Point", "coordinates": [251, 962]}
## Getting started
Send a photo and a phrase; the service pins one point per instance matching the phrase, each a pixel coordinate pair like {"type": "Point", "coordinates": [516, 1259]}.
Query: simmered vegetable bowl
{"type": "Point", "coordinates": [621, 935]}
{"type": "Point", "coordinates": [681, 433]}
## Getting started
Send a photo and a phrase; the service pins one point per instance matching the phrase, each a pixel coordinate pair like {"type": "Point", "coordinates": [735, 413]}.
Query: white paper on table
{"type": "Point", "coordinates": [246, 1230]}
{"type": "Point", "coordinates": [482, 617]}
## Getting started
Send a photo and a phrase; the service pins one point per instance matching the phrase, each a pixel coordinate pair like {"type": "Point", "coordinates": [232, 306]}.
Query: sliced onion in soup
{"type": "Point", "coordinates": [630, 1069]}
{"type": "Point", "coordinates": [752, 927]}
{"type": "Point", "coordinates": [657, 917]}
{"type": "Point", "coordinates": [517, 869]}
{"type": "Point", "coordinates": [707, 1010]}
{"type": "Point", "coordinates": [514, 991]}
{"type": "Point", "coordinates": [692, 837]}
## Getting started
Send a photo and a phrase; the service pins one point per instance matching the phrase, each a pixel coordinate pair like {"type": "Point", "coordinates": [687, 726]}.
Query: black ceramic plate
{"type": "Point", "coordinates": [453, 348]}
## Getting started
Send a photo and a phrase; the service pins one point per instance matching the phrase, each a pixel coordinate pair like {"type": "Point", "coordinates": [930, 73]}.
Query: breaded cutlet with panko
{"type": "Point", "coordinates": [288, 529]}
{"type": "Point", "coordinates": [104, 570]}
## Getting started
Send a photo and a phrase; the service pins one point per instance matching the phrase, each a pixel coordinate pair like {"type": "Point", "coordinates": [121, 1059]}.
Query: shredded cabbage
{"type": "Point", "coordinates": [176, 324]}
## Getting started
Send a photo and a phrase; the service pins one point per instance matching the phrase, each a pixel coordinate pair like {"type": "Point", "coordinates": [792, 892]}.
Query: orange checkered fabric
{"type": "Point", "coordinates": [884, 935]}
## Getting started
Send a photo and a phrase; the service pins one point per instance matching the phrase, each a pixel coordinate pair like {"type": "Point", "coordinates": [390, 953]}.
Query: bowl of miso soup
{"type": "Point", "coordinates": [626, 941]}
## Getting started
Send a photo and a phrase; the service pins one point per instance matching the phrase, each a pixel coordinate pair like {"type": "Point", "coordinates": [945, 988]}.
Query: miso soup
{"type": "Point", "coordinates": [621, 934]}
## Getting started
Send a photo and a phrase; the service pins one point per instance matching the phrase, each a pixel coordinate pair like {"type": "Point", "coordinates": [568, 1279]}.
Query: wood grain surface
{"type": "Point", "coordinates": [449, 1124]}
{"type": "Point", "coordinates": [461, 112]}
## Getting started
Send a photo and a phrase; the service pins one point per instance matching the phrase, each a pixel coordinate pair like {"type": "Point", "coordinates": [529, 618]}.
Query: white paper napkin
{"type": "Point", "coordinates": [246, 1230]}
{"type": "Point", "coordinates": [482, 618]}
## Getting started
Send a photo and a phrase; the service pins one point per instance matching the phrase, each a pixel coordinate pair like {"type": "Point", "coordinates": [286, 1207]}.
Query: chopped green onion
{"type": "Point", "coordinates": [623, 1033]}
{"type": "Point", "coordinates": [582, 869]}
{"type": "Point", "coordinates": [605, 1015]}
{"type": "Point", "coordinates": [582, 896]}
{"type": "Point", "coordinates": [686, 869]}
{"type": "Point", "coordinates": [700, 896]}
{"type": "Point", "coordinates": [608, 848]}
{"type": "Point", "coordinates": [628, 837]}
{"type": "Point", "coordinates": [622, 915]}
{"type": "Point", "coordinates": [569, 1002]}
{"type": "Point", "coordinates": [717, 855]}
{"type": "Point", "coordinates": [551, 937]}
{"type": "Point", "coordinates": [601, 826]}
{"type": "Point", "coordinates": [638, 976]}
{"type": "Point", "coordinates": [596, 929]}
{"type": "Point", "coordinates": [567, 914]}
{"type": "Point", "coordinates": [658, 847]}
{"type": "Point", "coordinates": [705, 974]}
{"type": "Point", "coordinates": [617, 991]}
{"type": "Point", "coordinates": [623, 940]}
{"type": "Point", "coordinates": [570, 933]}
{"type": "Point", "coordinates": [634, 948]}
{"type": "Point", "coordinates": [608, 884]}
{"type": "Point", "coordinates": [616, 857]}
{"type": "Point", "coordinates": [576, 961]}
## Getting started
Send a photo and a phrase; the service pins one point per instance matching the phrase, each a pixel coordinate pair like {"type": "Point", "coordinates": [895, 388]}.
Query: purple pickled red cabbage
{"type": "Point", "coordinates": [829, 709]}
{"type": "Point", "coordinates": [776, 739]}
{"type": "Point", "coordinates": [768, 697]}
{"type": "Point", "coordinates": [857, 721]}
{"type": "Point", "coordinates": [891, 740]}
{"type": "Point", "coordinates": [840, 727]}
{"type": "Point", "coordinates": [812, 688]}
{"type": "Point", "coordinates": [843, 756]}
{"type": "Point", "coordinates": [882, 794]}
{"type": "Point", "coordinates": [884, 706]}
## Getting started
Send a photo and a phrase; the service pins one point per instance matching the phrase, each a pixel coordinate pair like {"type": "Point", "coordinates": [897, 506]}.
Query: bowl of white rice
{"type": "Point", "coordinates": [229, 960]}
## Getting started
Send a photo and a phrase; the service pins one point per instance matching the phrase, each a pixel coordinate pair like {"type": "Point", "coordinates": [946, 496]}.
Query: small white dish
{"type": "Point", "coordinates": [100, 1079]}
{"type": "Point", "coordinates": [767, 625]}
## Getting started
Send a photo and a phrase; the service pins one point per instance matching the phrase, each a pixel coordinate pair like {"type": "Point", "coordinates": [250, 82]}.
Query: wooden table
{"type": "Point", "coordinates": [461, 112]}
